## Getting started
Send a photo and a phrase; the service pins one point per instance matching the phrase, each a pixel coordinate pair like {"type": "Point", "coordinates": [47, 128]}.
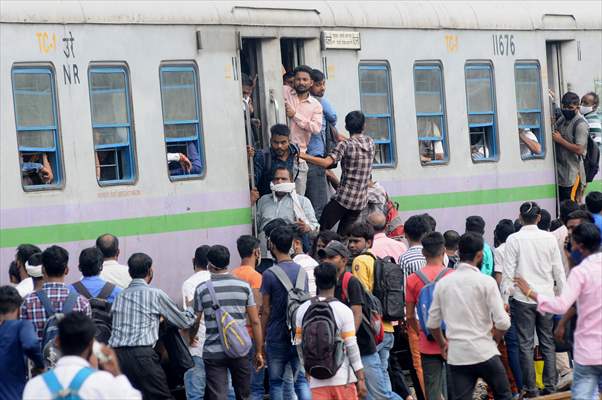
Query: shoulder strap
{"type": "Point", "coordinates": [211, 290]}
{"type": "Point", "coordinates": [69, 303]}
{"type": "Point", "coordinates": [45, 302]}
{"type": "Point", "coordinates": [81, 289]}
{"type": "Point", "coordinates": [345, 285]}
{"type": "Point", "coordinates": [441, 274]}
{"type": "Point", "coordinates": [79, 379]}
{"type": "Point", "coordinates": [106, 291]}
{"type": "Point", "coordinates": [423, 277]}
{"type": "Point", "coordinates": [300, 281]}
{"type": "Point", "coordinates": [282, 277]}
{"type": "Point", "coordinates": [53, 383]}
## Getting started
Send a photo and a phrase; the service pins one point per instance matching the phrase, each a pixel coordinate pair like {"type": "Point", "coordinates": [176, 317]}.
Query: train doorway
{"type": "Point", "coordinates": [251, 85]}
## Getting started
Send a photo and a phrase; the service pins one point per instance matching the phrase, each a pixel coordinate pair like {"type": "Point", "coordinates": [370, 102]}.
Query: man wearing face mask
{"type": "Point", "coordinates": [589, 109]}
{"type": "Point", "coordinates": [570, 136]}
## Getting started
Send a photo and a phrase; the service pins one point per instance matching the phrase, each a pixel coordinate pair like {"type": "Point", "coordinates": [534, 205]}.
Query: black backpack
{"type": "Point", "coordinates": [591, 161]}
{"type": "Point", "coordinates": [388, 288]}
{"type": "Point", "coordinates": [321, 343]}
{"type": "Point", "coordinates": [101, 309]}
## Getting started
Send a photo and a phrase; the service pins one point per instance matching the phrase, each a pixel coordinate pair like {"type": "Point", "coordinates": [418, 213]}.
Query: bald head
{"type": "Point", "coordinates": [378, 220]}
{"type": "Point", "coordinates": [108, 245]}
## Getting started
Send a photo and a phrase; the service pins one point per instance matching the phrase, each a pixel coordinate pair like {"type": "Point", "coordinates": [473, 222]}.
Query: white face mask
{"type": "Point", "coordinates": [586, 109]}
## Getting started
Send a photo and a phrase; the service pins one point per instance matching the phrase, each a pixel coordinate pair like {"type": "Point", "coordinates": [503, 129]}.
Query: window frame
{"type": "Point", "coordinates": [132, 153]}
{"type": "Point", "coordinates": [58, 167]}
{"type": "Point", "coordinates": [484, 65]}
{"type": "Point", "coordinates": [433, 65]}
{"type": "Point", "coordinates": [180, 66]}
{"type": "Point", "coordinates": [391, 142]}
{"type": "Point", "coordinates": [532, 64]}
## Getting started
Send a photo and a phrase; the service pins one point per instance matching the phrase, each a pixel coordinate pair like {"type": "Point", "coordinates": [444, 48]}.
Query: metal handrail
{"type": "Point", "coordinates": [276, 106]}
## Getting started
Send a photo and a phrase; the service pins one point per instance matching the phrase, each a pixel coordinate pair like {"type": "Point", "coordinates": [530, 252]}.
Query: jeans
{"type": "Point", "coordinates": [587, 379]}
{"type": "Point", "coordinates": [316, 190]}
{"type": "Point", "coordinates": [511, 339]}
{"type": "Point", "coordinates": [527, 320]}
{"type": "Point", "coordinates": [433, 366]}
{"type": "Point", "coordinates": [194, 380]}
{"type": "Point", "coordinates": [375, 381]}
{"type": "Point", "coordinates": [257, 389]}
{"type": "Point", "coordinates": [464, 378]}
{"type": "Point", "coordinates": [383, 350]}
{"type": "Point", "coordinates": [279, 355]}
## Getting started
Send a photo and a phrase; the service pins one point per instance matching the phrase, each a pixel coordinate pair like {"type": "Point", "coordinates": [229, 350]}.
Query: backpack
{"type": "Point", "coordinates": [388, 288]}
{"type": "Point", "coordinates": [51, 330]}
{"type": "Point", "coordinates": [101, 309]}
{"type": "Point", "coordinates": [371, 310]}
{"type": "Point", "coordinates": [296, 295]}
{"type": "Point", "coordinates": [233, 336]}
{"type": "Point", "coordinates": [58, 392]}
{"type": "Point", "coordinates": [591, 161]}
{"type": "Point", "coordinates": [321, 344]}
{"type": "Point", "coordinates": [394, 226]}
{"type": "Point", "coordinates": [425, 299]}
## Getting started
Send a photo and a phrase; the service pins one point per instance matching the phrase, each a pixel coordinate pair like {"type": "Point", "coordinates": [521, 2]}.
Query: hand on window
{"type": "Point", "coordinates": [185, 163]}
{"type": "Point", "coordinates": [250, 151]}
{"type": "Point", "coordinates": [46, 175]}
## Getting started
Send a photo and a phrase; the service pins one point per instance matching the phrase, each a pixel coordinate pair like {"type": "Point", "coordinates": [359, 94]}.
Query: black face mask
{"type": "Point", "coordinates": [568, 114]}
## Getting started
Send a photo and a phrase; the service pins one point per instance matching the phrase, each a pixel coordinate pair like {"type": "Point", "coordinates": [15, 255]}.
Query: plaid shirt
{"type": "Point", "coordinates": [33, 310]}
{"type": "Point", "coordinates": [356, 155]}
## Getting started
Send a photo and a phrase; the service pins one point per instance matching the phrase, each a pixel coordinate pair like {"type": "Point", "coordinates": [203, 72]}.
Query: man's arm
{"type": "Point", "coordinates": [319, 161]}
{"type": "Point", "coordinates": [265, 312]}
{"type": "Point", "coordinates": [501, 320]}
{"type": "Point", "coordinates": [411, 316]}
{"type": "Point", "coordinates": [309, 212]}
{"type": "Point", "coordinates": [533, 145]}
{"type": "Point", "coordinates": [169, 309]}
{"type": "Point", "coordinates": [257, 333]}
{"type": "Point", "coordinates": [558, 268]}
{"type": "Point", "coordinates": [329, 112]}
{"type": "Point", "coordinates": [436, 333]}
{"type": "Point", "coordinates": [357, 315]}
{"type": "Point", "coordinates": [510, 263]}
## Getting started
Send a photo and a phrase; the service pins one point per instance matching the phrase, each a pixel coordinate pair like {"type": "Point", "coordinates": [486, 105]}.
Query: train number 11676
{"type": "Point", "coordinates": [503, 44]}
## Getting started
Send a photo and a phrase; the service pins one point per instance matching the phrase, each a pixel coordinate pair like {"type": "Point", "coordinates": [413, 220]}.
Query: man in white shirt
{"type": "Point", "coordinates": [470, 304]}
{"type": "Point", "coordinates": [566, 208]}
{"type": "Point", "coordinates": [534, 255]}
{"type": "Point", "coordinates": [112, 271]}
{"type": "Point", "coordinates": [24, 252]}
{"type": "Point", "coordinates": [304, 260]}
{"type": "Point", "coordinates": [76, 371]}
{"type": "Point", "coordinates": [529, 144]}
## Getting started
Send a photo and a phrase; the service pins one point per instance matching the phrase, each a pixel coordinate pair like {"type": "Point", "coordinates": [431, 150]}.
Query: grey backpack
{"type": "Point", "coordinates": [297, 294]}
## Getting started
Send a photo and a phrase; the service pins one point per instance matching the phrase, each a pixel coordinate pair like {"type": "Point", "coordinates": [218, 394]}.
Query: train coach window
{"type": "Point", "coordinates": [480, 102]}
{"type": "Point", "coordinates": [181, 122]}
{"type": "Point", "coordinates": [528, 104]}
{"type": "Point", "coordinates": [36, 118]}
{"type": "Point", "coordinates": [112, 125]}
{"type": "Point", "coordinates": [377, 105]}
{"type": "Point", "coordinates": [430, 113]}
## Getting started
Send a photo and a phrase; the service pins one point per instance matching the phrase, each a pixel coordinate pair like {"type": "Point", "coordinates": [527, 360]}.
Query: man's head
{"type": "Point", "coordinates": [13, 273]}
{"type": "Point", "coordinates": [360, 237]}
{"type": "Point", "coordinates": [470, 248]}
{"type": "Point", "coordinates": [90, 261]}
{"type": "Point", "coordinates": [326, 277]}
{"type": "Point", "coordinates": [248, 248]}
{"type": "Point", "coordinates": [323, 239]}
{"type": "Point", "coordinates": [335, 253]}
{"type": "Point", "coordinates": [319, 86]}
{"type": "Point", "coordinates": [502, 230]}
{"type": "Point", "coordinates": [247, 86]}
{"type": "Point", "coordinates": [378, 220]}
{"type": "Point", "coordinates": [433, 246]}
{"type": "Point", "coordinates": [589, 102]}
{"type": "Point", "coordinates": [430, 220]}
{"type": "Point", "coordinates": [475, 223]}
{"type": "Point", "coordinates": [545, 220]}
{"type": "Point", "coordinates": [566, 208]}
{"type": "Point", "coordinates": [585, 239]}
{"type": "Point", "coordinates": [200, 262]}
{"type": "Point", "coordinates": [282, 175]}
{"type": "Point", "coordinates": [355, 122]}
{"type": "Point", "coordinates": [577, 218]}
{"type": "Point", "coordinates": [297, 239]}
{"type": "Point", "coordinates": [288, 79]}
{"type": "Point", "coordinates": [281, 240]}
{"type": "Point", "coordinates": [569, 105]}
{"type": "Point", "coordinates": [452, 238]}
{"type": "Point", "coordinates": [593, 201]}
{"type": "Point", "coordinates": [219, 258]}
{"type": "Point", "coordinates": [76, 335]}
{"type": "Point", "coordinates": [280, 139]}
{"type": "Point", "coordinates": [108, 245]}
{"type": "Point", "coordinates": [140, 266]}
{"type": "Point", "coordinates": [10, 302]}
{"type": "Point", "coordinates": [34, 267]}
{"type": "Point", "coordinates": [303, 81]}
{"type": "Point", "coordinates": [54, 262]}
{"type": "Point", "coordinates": [24, 251]}
{"type": "Point", "coordinates": [530, 213]}
{"type": "Point", "coordinates": [416, 227]}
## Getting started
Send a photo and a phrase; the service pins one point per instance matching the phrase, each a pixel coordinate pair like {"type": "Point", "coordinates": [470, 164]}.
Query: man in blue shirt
{"type": "Point", "coordinates": [185, 164]}
{"type": "Point", "coordinates": [593, 201]}
{"type": "Point", "coordinates": [90, 265]}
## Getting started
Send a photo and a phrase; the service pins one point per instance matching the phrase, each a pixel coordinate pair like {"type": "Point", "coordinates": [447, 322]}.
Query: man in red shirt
{"type": "Point", "coordinates": [433, 364]}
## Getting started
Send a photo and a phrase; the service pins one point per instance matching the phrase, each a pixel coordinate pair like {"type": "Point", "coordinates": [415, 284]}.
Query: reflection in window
{"type": "Point", "coordinates": [112, 125]}
{"type": "Point", "coordinates": [181, 122]}
{"type": "Point", "coordinates": [430, 113]}
{"type": "Point", "coordinates": [528, 104]}
{"type": "Point", "coordinates": [480, 99]}
{"type": "Point", "coordinates": [37, 126]}
{"type": "Point", "coordinates": [377, 105]}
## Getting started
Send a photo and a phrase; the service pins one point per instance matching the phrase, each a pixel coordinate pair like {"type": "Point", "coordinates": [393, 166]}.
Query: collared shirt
{"type": "Point", "coordinates": [137, 312]}
{"type": "Point", "coordinates": [470, 304]}
{"type": "Point", "coordinates": [560, 235]}
{"type": "Point", "coordinates": [188, 288]}
{"type": "Point", "coordinates": [585, 286]}
{"type": "Point", "coordinates": [270, 207]}
{"type": "Point", "coordinates": [534, 255]}
{"type": "Point", "coordinates": [383, 246]}
{"type": "Point", "coordinates": [356, 155]}
{"type": "Point", "coordinates": [317, 143]}
{"type": "Point", "coordinates": [25, 286]}
{"type": "Point", "coordinates": [411, 261]}
{"type": "Point", "coordinates": [33, 310]}
{"type": "Point", "coordinates": [99, 385]}
{"type": "Point", "coordinates": [115, 273]}
{"type": "Point", "coordinates": [307, 119]}
{"type": "Point", "coordinates": [595, 126]}
{"type": "Point", "coordinates": [265, 163]}
{"type": "Point", "coordinates": [94, 284]}
{"type": "Point", "coordinates": [568, 164]}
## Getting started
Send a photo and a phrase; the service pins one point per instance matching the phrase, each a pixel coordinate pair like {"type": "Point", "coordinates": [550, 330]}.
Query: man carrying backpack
{"type": "Point", "coordinates": [325, 337]}
{"type": "Point", "coordinates": [100, 293]}
{"type": "Point", "coordinates": [419, 294]}
{"type": "Point", "coordinates": [284, 287]}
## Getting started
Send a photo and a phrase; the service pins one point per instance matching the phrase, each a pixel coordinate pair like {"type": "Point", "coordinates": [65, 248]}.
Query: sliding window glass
{"type": "Point", "coordinates": [527, 80]}
{"type": "Point", "coordinates": [480, 102]}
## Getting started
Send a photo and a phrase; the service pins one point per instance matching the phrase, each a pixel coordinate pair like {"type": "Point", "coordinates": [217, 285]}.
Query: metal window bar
{"type": "Point", "coordinates": [535, 128]}
{"type": "Point", "coordinates": [492, 140]}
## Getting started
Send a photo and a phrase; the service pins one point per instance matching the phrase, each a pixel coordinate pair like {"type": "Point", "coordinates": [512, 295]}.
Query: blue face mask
{"type": "Point", "coordinates": [576, 256]}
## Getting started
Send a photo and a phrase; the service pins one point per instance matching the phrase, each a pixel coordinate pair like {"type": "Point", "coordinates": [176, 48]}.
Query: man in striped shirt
{"type": "Point", "coordinates": [137, 311]}
{"type": "Point", "coordinates": [589, 109]}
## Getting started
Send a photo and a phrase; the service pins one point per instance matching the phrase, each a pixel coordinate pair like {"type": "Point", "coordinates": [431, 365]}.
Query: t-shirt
{"type": "Point", "coordinates": [598, 222]}
{"type": "Point", "coordinates": [188, 288]}
{"type": "Point", "coordinates": [570, 165]}
{"type": "Point", "coordinates": [308, 264]}
{"type": "Point", "coordinates": [355, 296]}
{"type": "Point", "coordinates": [277, 330]}
{"type": "Point", "coordinates": [414, 285]}
{"type": "Point", "coordinates": [249, 275]}
{"type": "Point", "coordinates": [524, 149]}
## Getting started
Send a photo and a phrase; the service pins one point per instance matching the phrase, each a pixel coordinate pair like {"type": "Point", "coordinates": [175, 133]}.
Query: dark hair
{"type": "Point", "coordinates": [90, 261]}
{"type": "Point", "coordinates": [529, 211]}
{"type": "Point", "coordinates": [587, 235]}
{"type": "Point", "coordinates": [297, 234]}
{"type": "Point", "coordinates": [545, 221]}
{"type": "Point", "coordinates": [451, 239]}
{"type": "Point", "coordinates": [475, 223]}
{"type": "Point", "coordinates": [594, 202]}
{"type": "Point", "coordinates": [317, 75]}
{"type": "Point", "coordinates": [517, 225]}
{"type": "Point", "coordinates": [354, 122]}
{"type": "Point", "coordinates": [246, 244]}
{"type": "Point", "coordinates": [502, 230]}
{"type": "Point", "coordinates": [246, 80]}
{"type": "Point", "coordinates": [326, 276]}
{"type": "Point", "coordinates": [108, 245]}
{"type": "Point", "coordinates": [35, 260]}
{"type": "Point", "coordinates": [303, 68]}
{"type": "Point", "coordinates": [361, 230]}
{"type": "Point", "coordinates": [13, 271]}
{"type": "Point", "coordinates": [10, 300]}
{"type": "Point", "coordinates": [416, 227]}
{"type": "Point", "coordinates": [282, 238]}
{"type": "Point", "coordinates": [584, 216]}
{"type": "Point", "coordinates": [470, 244]}
{"type": "Point", "coordinates": [200, 256]}
{"type": "Point", "coordinates": [570, 99]}
{"type": "Point", "coordinates": [555, 224]}
{"type": "Point", "coordinates": [219, 256]}
{"type": "Point", "coordinates": [76, 332]}
{"type": "Point", "coordinates": [273, 224]}
{"type": "Point", "coordinates": [283, 168]}
{"type": "Point", "coordinates": [595, 97]}
{"type": "Point", "coordinates": [24, 251]}
{"type": "Point", "coordinates": [280, 130]}
{"type": "Point", "coordinates": [433, 244]}
{"type": "Point", "coordinates": [289, 74]}
{"type": "Point", "coordinates": [326, 237]}
{"type": "Point", "coordinates": [430, 220]}
{"type": "Point", "coordinates": [567, 207]}
{"type": "Point", "coordinates": [55, 260]}
{"type": "Point", "coordinates": [139, 265]}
